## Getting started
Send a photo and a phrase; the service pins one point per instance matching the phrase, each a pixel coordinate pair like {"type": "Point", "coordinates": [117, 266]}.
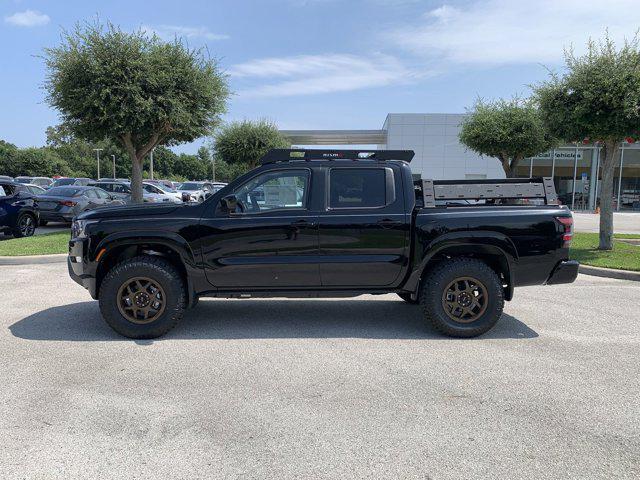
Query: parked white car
{"type": "Point", "coordinates": [160, 193]}
{"type": "Point", "coordinates": [196, 191]}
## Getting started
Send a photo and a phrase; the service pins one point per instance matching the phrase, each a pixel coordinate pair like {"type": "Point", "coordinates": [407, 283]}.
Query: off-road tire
{"type": "Point", "coordinates": [160, 271]}
{"type": "Point", "coordinates": [437, 281]}
{"type": "Point", "coordinates": [407, 298]}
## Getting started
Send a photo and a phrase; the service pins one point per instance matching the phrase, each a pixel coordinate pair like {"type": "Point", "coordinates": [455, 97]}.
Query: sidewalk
{"type": "Point", "coordinates": [623, 222]}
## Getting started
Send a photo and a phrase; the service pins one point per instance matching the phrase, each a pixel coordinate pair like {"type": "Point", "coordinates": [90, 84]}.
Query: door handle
{"type": "Point", "coordinates": [303, 223]}
{"type": "Point", "coordinates": [387, 223]}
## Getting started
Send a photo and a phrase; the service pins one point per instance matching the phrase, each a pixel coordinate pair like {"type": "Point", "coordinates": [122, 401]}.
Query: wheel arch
{"type": "Point", "coordinates": [495, 250]}
{"type": "Point", "coordinates": [112, 250]}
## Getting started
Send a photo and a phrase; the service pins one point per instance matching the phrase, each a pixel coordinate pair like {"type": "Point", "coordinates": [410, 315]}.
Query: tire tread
{"type": "Point", "coordinates": [162, 268]}
{"type": "Point", "coordinates": [430, 291]}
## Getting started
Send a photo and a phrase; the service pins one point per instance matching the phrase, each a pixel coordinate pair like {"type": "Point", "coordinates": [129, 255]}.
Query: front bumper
{"type": "Point", "coordinates": [564, 272]}
{"type": "Point", "coordinates": [78, 267]}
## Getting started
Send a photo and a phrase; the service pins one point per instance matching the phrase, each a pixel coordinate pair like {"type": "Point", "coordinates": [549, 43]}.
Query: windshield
{"type": "Point", "coordinates": [191, 186]}
{"type": "Point", "coordinates": [63, 192]}
{"type": "Point", "coordinates": [164, 188]}
{"type": "Point", "coordinates": [63, 181]}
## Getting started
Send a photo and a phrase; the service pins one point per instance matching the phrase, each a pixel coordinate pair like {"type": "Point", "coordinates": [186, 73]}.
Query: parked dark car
{"type": "Point", "coordinates": [18, 210]}
{"type": "Point", "coordinates": [119, 189]}
{"type": "Point", "coordinates": [67, 181]}
{"type": "Point", "coordinates": [331, 223]}
{"type": "Point", "coordinates": [62, 204]}
{"type": "Point", "coordinates": [44, 182]}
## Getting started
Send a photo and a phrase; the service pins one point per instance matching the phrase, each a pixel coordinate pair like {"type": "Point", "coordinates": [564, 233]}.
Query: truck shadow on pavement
{"type": "Point", "coordinates": [259, 319]}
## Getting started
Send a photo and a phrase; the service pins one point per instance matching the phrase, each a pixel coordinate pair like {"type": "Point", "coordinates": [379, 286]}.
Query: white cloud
{"type": "Point", "coordinates": [28, 18]}
{"type": "Point", "coordinates": [168, 32]}
{"type": "Point", "coordinates": [314, 74]}
{"type": "Point", "coordinates": [494, 32]}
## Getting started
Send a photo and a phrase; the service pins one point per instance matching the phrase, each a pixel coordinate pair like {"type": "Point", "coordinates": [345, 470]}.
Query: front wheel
{"type": "Point", "coordinates": [142, 297]}
{"type": "Point", "coordinates": [462, 297]}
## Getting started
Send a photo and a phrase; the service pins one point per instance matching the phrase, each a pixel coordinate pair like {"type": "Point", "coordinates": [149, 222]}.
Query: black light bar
{"type": "Point", "coordinates": [288, 154]}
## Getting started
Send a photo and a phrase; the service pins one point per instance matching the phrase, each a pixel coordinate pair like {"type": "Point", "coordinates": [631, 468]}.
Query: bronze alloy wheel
{"type": "Point", "coordinates": [141, 300]}
{"type": "Point", "coordinates": [465, 299]}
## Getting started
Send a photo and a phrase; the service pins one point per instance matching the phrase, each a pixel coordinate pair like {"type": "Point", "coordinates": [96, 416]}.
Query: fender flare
{"type": "Point", "coordinates": [479, 241]}
{"type": "Point", "coordinates": [169, 240]}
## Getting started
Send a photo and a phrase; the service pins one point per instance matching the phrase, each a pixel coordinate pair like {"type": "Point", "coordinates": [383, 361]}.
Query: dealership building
{"type": "Point", "coordinates": [440, 155]}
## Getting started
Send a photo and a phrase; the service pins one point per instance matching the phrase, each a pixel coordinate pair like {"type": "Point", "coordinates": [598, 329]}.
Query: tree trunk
{"type": "Point", "coordinates": [136, 179]}
{"type": "Point", "coordinates": [512, 167]}
{"type": "Point", "coordinates": [506, 165]}
{"type": "Point", "coordinates": [611, 147]}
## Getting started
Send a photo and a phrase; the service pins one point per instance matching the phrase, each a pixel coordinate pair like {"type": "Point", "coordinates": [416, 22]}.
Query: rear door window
{"type": "Point", "coordinates": [358, 188]}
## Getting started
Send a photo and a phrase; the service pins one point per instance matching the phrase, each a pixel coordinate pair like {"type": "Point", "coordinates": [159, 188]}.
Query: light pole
{"type": "Point", "coordinates": [575, 172]}
{"type": "Point", "coordinates": [98, 150]}
{"type": "Point", "coordinates": [151, 165]}
{"type": "Point", "coordinates": [620, 177]}
{"type": "Point", "coordinates": [114, 166]}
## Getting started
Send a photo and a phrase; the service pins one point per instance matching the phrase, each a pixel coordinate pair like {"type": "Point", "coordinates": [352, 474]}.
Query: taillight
{"type": "Point", "coordinates": [67, 203]}
{"type": "Point", "coordinates": [567, 236]}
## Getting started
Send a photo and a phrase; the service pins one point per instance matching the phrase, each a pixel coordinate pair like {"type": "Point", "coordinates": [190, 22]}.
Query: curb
{"type": "Point", "coordinates": [609, 273]}
{"type": "Point", "coordinates": [34, 259]}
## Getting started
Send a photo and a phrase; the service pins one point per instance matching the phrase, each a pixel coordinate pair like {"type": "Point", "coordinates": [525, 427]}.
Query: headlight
{"type": "Point", "coordinates": [78, 228]}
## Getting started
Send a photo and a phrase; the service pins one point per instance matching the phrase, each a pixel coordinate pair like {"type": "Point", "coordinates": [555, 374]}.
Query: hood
{"type": "Point", "coordinates": [137, 210]}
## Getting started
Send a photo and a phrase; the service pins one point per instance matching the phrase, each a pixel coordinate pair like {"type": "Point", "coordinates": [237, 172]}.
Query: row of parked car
{"type": "Point", "coordinates": [26, 202]}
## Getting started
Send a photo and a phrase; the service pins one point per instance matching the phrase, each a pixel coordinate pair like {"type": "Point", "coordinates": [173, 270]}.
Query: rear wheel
{"type": "Point", "coordinates": [142, 297]}
{"type": "Point", "coordinates": [25, 226]}
{"type": "Point", "coordinates": [462, 297]}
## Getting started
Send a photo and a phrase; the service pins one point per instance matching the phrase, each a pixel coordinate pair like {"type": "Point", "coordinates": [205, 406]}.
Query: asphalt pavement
{"type": "Point", "coordinates": [350, 388]}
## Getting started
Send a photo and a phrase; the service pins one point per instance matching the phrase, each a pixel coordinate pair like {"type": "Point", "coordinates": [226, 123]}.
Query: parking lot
{"type": "Point", "coordinates": [350, 388]}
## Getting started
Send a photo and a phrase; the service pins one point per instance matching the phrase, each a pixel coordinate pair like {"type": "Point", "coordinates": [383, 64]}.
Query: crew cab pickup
{"type": "Point", "coordinates": [327, 223]}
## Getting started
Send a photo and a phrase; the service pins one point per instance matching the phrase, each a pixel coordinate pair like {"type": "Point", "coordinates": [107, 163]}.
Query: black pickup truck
{"type": "Point", "coordinates": [328, 223]}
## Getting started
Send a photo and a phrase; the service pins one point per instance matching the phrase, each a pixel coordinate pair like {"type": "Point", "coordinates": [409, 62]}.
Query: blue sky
{"type": "Point", "coordinates": [323, 63]}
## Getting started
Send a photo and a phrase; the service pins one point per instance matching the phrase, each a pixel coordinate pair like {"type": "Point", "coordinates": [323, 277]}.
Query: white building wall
{"type": "Point", "coordinates": [439, 153]}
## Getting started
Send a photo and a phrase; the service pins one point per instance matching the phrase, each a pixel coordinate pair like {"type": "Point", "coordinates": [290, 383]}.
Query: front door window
{"type": "Point", "coordinates": [280, 190]}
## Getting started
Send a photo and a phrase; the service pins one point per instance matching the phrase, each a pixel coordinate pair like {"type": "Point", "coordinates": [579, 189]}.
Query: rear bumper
{"type": "Point", "coordinates": [564, 272]}
{"type": "Point", "coordinates": [78, 267]}
{"type": "Point", "coordinates": [55, 216]}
